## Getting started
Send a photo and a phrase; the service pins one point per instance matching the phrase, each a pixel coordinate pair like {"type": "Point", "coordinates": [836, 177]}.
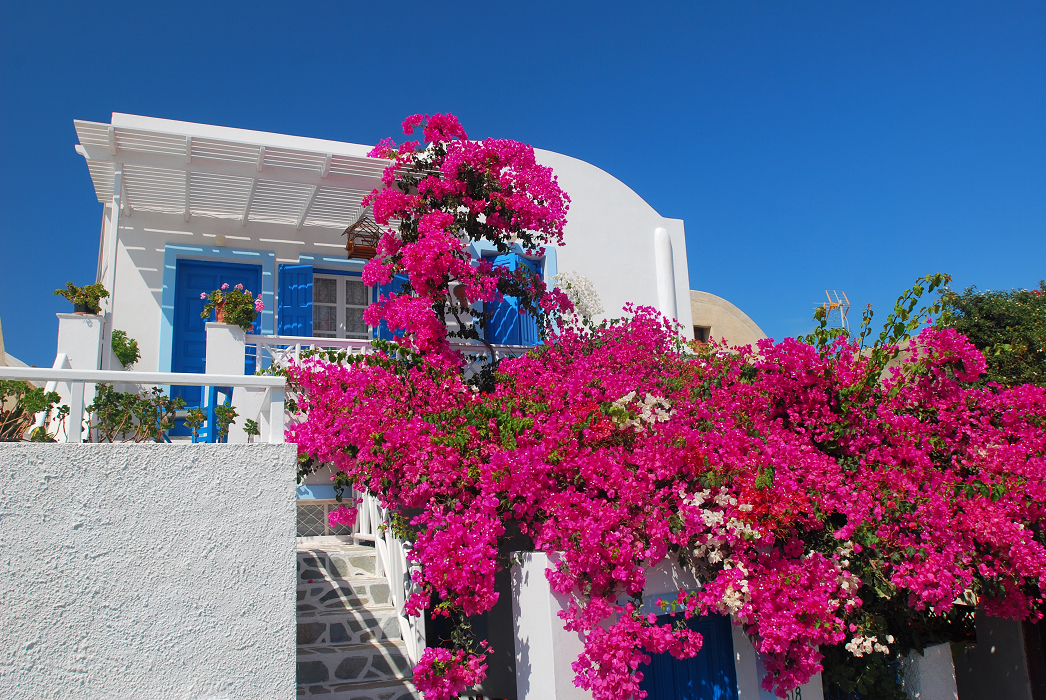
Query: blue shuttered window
{"type": "Point", "coordinates": [507, 326]}
{"type": "Point", "coordinates": [295, 304]}
{"type": "Point", "coordinates": [393, 287]}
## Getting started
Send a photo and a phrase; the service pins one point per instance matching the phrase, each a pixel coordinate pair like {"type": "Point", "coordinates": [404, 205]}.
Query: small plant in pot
{"type": "Point", "coordinates": [235, 306]}
{"type": "Point", "coordinates": [85, 299]}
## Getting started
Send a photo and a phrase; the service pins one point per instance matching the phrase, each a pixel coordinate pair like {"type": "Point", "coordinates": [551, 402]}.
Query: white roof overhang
{"type": "Point", "coordinates": [218, 172]}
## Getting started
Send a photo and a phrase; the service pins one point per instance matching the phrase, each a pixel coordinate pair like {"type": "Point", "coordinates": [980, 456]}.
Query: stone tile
{"type": "Point", "coordinates": [312, 672]}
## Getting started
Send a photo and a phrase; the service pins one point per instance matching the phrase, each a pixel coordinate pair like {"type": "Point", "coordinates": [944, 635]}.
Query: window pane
{"type": "Point", "coordinates": [324, 291]}
{"type": "Point", "coordinates": [356, 293]}
{"type": "Point", "coordinates": [324, 319]}
{"type": "Point", "coordinates": [354, 324]}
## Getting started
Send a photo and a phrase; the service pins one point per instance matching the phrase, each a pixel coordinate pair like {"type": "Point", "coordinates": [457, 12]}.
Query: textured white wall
{"type": "Point", "coordinates": [147, 571]}
{"type": "Point", "coordinates": [610, 238]}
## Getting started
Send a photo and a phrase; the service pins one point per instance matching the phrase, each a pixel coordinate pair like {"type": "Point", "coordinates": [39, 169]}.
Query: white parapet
{"type": "Point", "coordinates": [930, 675]}
{"type": "Point", "coordinates": [147, 571]}
{"type": "Point", "coordinates": [226, 344]}
{"type": "Point", "coordinates": [544, 650]}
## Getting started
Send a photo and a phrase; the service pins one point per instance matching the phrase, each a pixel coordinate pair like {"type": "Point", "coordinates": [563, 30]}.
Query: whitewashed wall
{"type": "Point", "coordinates": [147, 571]}
{"type": "Point", "coordinates": [610, 239]}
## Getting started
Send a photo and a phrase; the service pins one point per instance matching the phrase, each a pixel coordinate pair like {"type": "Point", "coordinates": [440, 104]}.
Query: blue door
{"type": "Point", "coordinates": [506, 325]}
{"type": "Point", "coordinates": [195, 277]}
{"type": "Point", "coordinates": [708, 676]}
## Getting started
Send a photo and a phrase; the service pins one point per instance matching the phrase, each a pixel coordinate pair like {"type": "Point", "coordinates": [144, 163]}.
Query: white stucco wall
{"type": "Point", "coordinates": [147, 571]}
{"type": "Point", "coordinates": [609, 238]}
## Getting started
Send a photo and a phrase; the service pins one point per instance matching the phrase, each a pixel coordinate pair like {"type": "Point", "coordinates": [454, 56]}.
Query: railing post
{"type": "Point", "coordinates": [80, 340]}
{"type": "Point", "coordinates": [276, 415]}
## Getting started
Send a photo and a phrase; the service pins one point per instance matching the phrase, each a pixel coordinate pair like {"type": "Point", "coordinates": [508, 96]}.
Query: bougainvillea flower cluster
{"type": "Point", "coordinates": [442, 198]}
{"type": "Point", "coordinates": [767, 473]}
{"type": "Point", "coordinates": [800, 482]}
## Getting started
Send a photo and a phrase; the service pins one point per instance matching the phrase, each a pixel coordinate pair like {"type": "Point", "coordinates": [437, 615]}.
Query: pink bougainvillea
{"type": "Point", "coordinates": [800, 482]}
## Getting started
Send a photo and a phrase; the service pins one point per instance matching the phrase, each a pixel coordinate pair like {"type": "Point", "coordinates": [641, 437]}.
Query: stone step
{"type": "Point", "coordinates": [382, 690]}
{"type": "Point", "coordinates": [374, 623]}
{"type": "Point", "coordinates": [340, 595]}
{"type": "Point", "coordinates": [347, 663]}
{"type": "Point", "coordinates": [336, 562]}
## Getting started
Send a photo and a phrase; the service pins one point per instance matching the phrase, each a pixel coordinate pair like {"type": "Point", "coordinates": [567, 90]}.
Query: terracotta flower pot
{"type": "Point", "coordinates": [83, 309]}
{"type": "Point", "coordinates": [219, 312]}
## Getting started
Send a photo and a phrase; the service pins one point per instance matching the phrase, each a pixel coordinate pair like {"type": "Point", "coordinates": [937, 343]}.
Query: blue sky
{"type": "Point", "coordinates": [850, 146]}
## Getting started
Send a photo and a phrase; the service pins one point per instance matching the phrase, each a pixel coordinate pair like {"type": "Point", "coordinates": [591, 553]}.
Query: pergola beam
{"type": "Point", "coordinates": [250, 200]}
{"type": "Point", "coordinates": [245, 170]}
{"type": "Point", "coordinates": [305, 209]}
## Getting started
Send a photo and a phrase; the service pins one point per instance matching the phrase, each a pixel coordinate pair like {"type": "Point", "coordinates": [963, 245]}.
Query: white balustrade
{"type": "Point", "coordinates": [74, 379]}
{"type": "Point", "coordinates": [373, 525]}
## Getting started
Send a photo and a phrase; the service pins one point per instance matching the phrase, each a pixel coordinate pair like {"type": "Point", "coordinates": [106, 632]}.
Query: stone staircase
{"type": "Point", "coordinates": [349, 643]}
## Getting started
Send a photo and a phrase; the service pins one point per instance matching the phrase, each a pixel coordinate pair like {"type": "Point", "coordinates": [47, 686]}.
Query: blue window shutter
{"type": "Point", "coordinates": [506, 325]}
{"type": "Point", "coordinates": [528, 326]}
{"type": "Point", "coordinates": [393, 287]}
{"type": "Point", "coordinates": [295, 303]}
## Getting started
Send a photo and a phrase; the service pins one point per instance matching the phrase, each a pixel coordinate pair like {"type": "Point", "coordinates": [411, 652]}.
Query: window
{"type": "Point", "coordinates": [702, 333]}
{"type": "Point", "coordinates": [338, 303]}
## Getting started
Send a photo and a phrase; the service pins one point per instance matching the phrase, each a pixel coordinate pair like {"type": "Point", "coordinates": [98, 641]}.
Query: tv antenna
{"type": "Point", "coordinates": [837, 307]}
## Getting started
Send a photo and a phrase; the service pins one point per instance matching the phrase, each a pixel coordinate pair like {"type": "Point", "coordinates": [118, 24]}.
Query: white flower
{"type": "Point", "coordinates": [580, 290]}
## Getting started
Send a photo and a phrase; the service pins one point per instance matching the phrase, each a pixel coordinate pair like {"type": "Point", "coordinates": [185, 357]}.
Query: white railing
{"type": "Point", "coordinates": [281, 350]}
{"type": "Point", "coordinates": [372, 525]}
{"type": "Point", "coordinates": [77, 384]}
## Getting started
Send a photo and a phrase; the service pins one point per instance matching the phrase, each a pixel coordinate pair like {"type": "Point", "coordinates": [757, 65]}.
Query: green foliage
{"type": "Point", "coordinates": [116, 416]}
{"type": "Point", "coordinates": [1008, 327]}
{"type": "Point", "coordinates": [194, 419]}
{"type": "Point", "coordinates": [251, 428]}
{"type": "Point", "coordinates": [88, 296]}
{"type": "Point", "coordinates": [125, 348]}
{"type": "Point", "coordinates": [19, 404]}
{"type": "Point", "coordinates": [224, 416]}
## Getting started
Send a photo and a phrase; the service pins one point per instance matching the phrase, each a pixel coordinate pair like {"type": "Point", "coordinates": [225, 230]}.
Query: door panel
{"type": "Point", "coordinates": [708, 676]}
{"type": "Point", "coordinates": [195, 277]}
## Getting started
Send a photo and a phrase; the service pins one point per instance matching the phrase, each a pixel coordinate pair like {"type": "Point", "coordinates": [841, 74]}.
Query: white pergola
{"type": "Point", "coordinates": [165, 166]}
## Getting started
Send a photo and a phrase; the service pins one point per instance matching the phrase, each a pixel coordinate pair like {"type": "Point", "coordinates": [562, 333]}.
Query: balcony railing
{"type": "Point", "coordinates": [76, 386]}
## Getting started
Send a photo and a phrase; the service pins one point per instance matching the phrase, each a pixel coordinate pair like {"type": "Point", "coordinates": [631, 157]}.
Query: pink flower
{"type": "Point", "coordinates": [203, 295]}
{"type": "Point", "coordinates": [225, 286]}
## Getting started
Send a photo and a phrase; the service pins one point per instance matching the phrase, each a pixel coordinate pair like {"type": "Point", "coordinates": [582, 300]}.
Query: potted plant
{"type": "Point", "coordinates": [235, 306]}
{"type": "Point", "coordinates": [85, 299]}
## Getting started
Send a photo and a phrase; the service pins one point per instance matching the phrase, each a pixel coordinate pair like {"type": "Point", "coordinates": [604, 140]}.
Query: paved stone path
{"type": "Point", "coordinates": [349, 643]}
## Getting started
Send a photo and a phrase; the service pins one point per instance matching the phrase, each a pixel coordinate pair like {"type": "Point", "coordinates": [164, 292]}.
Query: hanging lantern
{"type": "Point", "coordinates": [363, 239]}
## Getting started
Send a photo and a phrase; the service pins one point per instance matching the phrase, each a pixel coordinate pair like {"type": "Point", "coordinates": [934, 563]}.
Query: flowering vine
{"type": "Point", "coordinates": [803, 483]}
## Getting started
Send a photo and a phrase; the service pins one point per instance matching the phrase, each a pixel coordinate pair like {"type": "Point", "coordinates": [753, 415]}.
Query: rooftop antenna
{"type": "Point", "coordinates": [837, 307]}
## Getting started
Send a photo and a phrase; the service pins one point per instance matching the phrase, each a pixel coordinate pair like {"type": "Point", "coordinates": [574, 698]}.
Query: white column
{"type": "Point", "coordinates": [544, 650]}
{"type": "Point", "coordinates": [930, 675]}
{"type": "Point", "coordinates": [666, 274]}
{"type": "Point", "coordinates": [109, 282]}
{"type": "Point", "coordinates": [80, 340]}
{"type": "Point", "coordinates": [226, 345]}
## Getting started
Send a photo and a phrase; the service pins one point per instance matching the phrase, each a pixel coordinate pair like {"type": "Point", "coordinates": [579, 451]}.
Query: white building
{"type": "Point", "coordinates": [189, 206]}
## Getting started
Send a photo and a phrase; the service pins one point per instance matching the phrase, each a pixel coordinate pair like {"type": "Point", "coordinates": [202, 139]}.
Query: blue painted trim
{"type": "Point", "coordinates": [481, 249]}
{"type": "Point", "coordinates": [172, 253]}
{"type": "Point", "coordinates": [315, 492]}
{"type": "Point", "coordinates": [326, 261]}
{"type": "Point", "coordinates": [343, 273]}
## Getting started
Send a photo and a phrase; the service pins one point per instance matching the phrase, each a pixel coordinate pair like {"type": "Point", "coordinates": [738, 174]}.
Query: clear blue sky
{"type": "Point", "coordinates": [852, 146]}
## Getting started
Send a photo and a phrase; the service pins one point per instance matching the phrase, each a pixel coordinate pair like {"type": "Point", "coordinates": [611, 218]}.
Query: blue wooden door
{"type": "Point", "coordinates": [189, 354]}
{"type": "Point", "coordinates": [506, 325]}
{"type": "Point", "coordinates": [708, 676]}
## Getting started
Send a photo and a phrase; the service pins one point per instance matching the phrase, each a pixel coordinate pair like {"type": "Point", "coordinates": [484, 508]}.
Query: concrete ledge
{"type": "Point", "coordinates": [147, 571]}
